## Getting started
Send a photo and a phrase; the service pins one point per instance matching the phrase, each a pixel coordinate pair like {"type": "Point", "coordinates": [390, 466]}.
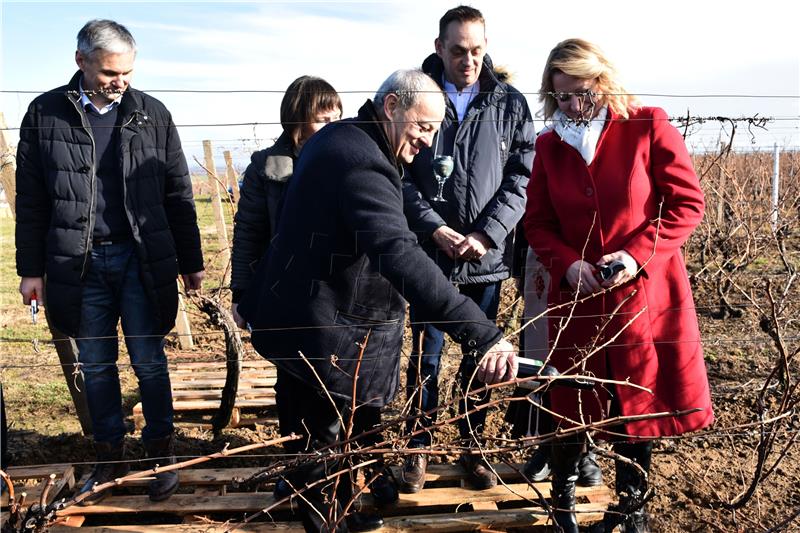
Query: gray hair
{"type": "Point", "coordinates": [106, 35]}
{"type": "Point", "coordinates": [409, 86]}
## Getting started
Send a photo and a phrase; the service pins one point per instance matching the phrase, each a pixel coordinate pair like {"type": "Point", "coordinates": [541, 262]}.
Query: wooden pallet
{"type": "Point", "coordinates": [32, 479]}
{"type": "Point", "coordinates": [204, 503]}
{"type": "Point", "coordinates": [197, 389]}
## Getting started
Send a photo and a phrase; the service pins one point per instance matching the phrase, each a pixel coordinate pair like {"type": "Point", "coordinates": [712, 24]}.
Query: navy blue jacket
{"type": "Point", "coordinates": [493, 154]}
{"type": "Point", "coordinates": [343, 264]}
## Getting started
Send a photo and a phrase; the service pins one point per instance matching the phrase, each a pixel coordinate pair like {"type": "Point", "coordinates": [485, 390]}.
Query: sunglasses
{"type": "Point", "coordinates": [587, 95]}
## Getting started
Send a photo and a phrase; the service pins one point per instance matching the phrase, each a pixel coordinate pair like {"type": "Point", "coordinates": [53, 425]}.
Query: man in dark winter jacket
{"type": "Point", "coordinates": [487, 129]}
{"type": "Point", "coordinates": [327, 301]}
{"type": "Point", "coordinates": [105, 223]}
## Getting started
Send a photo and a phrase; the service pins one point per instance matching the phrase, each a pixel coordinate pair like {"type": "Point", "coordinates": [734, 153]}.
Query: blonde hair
{"type": "Point", "coordinates": [586, 61]}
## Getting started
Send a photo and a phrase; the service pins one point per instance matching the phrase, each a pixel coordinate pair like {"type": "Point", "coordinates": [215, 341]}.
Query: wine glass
{"type": "Point", "coordinates": [442, 168]}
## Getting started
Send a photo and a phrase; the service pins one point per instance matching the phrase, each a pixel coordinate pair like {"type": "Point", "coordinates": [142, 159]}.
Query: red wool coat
{"type": "Point", "coordinates": [611, 205]}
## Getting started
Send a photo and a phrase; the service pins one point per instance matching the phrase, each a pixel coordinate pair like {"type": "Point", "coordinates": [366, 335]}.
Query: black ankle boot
{"type": "Point", "coordinates": [162, 451]}
{"type": "Point", "coordinates": [108, 468]}
{"type": "Point", "coordinates": [629, 514]}
{"type": "Point", "coordinates": [564, 459]}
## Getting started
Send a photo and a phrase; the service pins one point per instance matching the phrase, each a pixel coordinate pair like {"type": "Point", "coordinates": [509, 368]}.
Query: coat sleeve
{"type": "Point", "coordinates": [251, 228]}
{"type": "Point", "coordinates": [371, 207]}
{"type": "Point", "coordinates": [179, 204]}
{"type": "Point", "coordinates": [421, 216]}
{"type": "Point", "coordinates": [677, 188]}
{"type": "Point", "coordinates": [542, 227]}
{"type": "Point", "coordinates": [505, 209]}
{"type": "Point", "coordinates": [32, 201]}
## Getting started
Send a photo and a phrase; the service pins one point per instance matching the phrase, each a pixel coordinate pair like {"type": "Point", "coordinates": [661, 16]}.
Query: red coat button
{"type": "Point", "coordinates": [589, 191]}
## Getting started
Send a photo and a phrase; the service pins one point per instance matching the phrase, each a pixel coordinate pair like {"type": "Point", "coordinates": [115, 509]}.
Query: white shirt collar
{"type": "Point", "coordinates": [85, 101]}
{"type": "Point", "coordinates": [461, 99]}
{"type": "Point", "coordinates": [581, 136]}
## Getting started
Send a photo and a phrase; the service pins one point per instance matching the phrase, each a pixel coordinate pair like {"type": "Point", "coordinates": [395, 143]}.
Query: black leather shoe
{"type": "Point", "coordinates": [282, 489]}
{"type": "Point", "coordinates": [384, 488]}
{"type": "Point", "coordinates": [537, 467]}
{"type": "Point", "coordinates": [412, 477]}
{"type": "Point", "coordinates": [589, 472]}
{"type": "Point", "coordinates": [108, 468]}
{"type": "Point", "coordinates": [359, 521]}
{"type": "Point", "coordinates": [479, 475]}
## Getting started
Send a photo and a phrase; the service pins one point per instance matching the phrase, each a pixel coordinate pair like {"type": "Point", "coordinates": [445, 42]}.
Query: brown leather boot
{"type": "Point", "coordinates": [108, 468]}
{"type": "Point", "coordinates": [412, 477]}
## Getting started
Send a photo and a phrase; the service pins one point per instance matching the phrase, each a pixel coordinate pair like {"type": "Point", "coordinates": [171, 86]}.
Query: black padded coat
{"type": "Point", "coordinates": [56, 185]}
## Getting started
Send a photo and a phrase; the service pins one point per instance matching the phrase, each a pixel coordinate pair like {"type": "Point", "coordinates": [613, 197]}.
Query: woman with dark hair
{"type": "Point", "coordinates": [308, 104]}
{"type": "Point", "coordinates": [612, 198]}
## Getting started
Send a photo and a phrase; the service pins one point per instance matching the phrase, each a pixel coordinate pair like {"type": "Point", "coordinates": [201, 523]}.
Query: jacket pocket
{"type": "Point", "coordinates": [367, 353]}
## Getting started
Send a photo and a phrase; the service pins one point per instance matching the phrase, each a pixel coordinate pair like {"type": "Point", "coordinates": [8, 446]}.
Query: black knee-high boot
{"type": "Point", "coordinates": [631, 486]}
{"type": "Point", "coordinates": [564, 463]}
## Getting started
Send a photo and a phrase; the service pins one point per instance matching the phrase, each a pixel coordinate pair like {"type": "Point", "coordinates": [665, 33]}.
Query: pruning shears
{"type": "Point", "coordinates": [34, 307]}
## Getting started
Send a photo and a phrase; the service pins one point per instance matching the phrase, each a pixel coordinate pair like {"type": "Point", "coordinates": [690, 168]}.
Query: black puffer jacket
{"type": "Point", "coordinates": [340, 266]}
{"type": "Point", "coordinates": [493, 156]}
{"type": "Point", "coordinates": [56, 192]}
{"type": "Point", "coordinates": [263, 186]}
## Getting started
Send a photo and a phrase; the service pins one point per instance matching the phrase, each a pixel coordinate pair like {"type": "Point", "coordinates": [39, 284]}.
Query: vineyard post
{"type": "Point", "coordinates": [7, 168]}
{"type": "Point", "coordinates": [216, 203]}
{"type": "Point", "coordinates": [776, 185]}
{"type": "Point", "coordinates": [231, 176]}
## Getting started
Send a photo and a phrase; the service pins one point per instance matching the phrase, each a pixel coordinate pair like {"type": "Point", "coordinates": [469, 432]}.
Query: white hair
{"type": "Point", "coordinates": [408, 86]}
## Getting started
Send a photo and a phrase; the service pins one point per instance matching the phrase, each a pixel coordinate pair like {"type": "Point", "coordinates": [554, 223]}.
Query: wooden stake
{"type": "Point", "coordinates": [8, 168]}
{"type": "Point", "coordinates": [232, 176]}
{"type": "Point", "coordinates": [182, 325]}
{"type": "Point", "coordinates": [216, 202]}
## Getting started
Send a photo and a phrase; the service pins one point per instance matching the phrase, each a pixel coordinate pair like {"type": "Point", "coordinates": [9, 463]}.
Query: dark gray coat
{"type": "Point", "coordinates": [343, 264]}
{"type": "Point", "coordinates": [56, 192]}
{"type": "Point", "coordinates": [493, 155]}
{"type": "Point", "coordinates": [264, 183]}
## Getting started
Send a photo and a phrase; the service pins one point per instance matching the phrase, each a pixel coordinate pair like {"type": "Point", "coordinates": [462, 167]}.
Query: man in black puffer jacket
{"type": "Point", "coordinates": [327, 300]}
{"type": "Point", "coordinates": [105, 223]}
{"type": "Point", "coordinates": [488, 131]}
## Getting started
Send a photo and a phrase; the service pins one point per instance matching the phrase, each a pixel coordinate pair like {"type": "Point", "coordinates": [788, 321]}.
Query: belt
{"type": "Point", "coordinates": [108, 241]}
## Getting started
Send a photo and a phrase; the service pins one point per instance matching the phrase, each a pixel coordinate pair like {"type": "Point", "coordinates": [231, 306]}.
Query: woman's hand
{"type": "Point", "coordinates": [581, 276]}
{"type": "Point", "coordinates": [623, 276]}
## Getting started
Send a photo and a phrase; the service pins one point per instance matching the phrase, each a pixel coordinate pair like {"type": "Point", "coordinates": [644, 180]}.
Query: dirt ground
{"type": "Point", "coordinates": [694, 476]}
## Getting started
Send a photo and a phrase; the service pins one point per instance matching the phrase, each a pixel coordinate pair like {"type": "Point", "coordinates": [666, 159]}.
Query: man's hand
{"type": "Point", "coordinates": [194, 281]}
{"type": "Point", "coordinates": [498, 364]}
{"type": "Point", "coordinates": [583, 272]}
{"type": "Point", "coordinates": [30, 286]}
{"type": "Point", "coordinates": [447, 239]}
{"type": "Point", "coordinates": [474, 246]}
{"type": "Point", "coordinates": [623, 276]}
{"type": "Point", "coordinates": [241, 322]}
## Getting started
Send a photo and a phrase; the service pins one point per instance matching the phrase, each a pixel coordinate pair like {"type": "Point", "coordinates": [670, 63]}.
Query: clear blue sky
{"type": "Point", "coordinates": [684, 47]}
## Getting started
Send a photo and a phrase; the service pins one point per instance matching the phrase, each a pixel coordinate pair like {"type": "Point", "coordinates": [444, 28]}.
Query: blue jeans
{"type": "Point", "coordinates": [113, 290]}
{"type": "Point", "coordinates": [423, 370]}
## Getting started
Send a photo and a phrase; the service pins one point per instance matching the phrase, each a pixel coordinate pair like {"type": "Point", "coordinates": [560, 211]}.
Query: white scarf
{"type": "Point", "coordinates": [582, 137]}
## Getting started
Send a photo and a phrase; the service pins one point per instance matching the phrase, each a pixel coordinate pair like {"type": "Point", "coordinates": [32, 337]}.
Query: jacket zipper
{"type": "Point", "coordinates": [92, 185]}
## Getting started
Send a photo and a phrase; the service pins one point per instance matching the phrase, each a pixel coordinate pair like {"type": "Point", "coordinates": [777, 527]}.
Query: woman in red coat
{"type": "Point", "coordinates": [613, 182]}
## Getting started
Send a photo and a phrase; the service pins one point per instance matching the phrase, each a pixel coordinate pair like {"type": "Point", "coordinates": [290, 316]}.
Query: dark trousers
{"type": "Point", "coordinates": [307, 411]}
{"type": "Point", "coordinates": [422, 376]}
{"type": "Point", "coordinates": [113, 292]}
